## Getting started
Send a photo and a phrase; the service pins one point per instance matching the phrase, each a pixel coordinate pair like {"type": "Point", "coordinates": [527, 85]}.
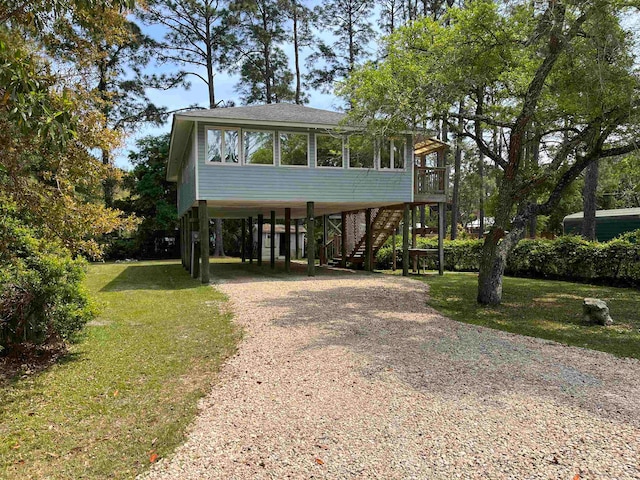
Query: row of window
{"type": "Point", "coordinates": [225, 145]}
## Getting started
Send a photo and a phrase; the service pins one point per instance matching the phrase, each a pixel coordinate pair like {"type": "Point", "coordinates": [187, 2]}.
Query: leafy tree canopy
{"type": "Point", "coordinates": [560, 76]}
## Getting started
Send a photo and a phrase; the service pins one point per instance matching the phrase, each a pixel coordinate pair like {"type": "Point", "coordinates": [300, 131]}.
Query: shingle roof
{"type": "Point", "coordinates": [275, 112]}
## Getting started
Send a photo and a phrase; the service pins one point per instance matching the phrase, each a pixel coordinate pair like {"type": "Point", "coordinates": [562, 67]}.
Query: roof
{"type": "Point", "coordinates": [286, 113]}
{"type": "Point", "coordinates": [266, 228]}
{"type": "Point", "coordinates": [618, 212]}
{"type": "Point", "coordinates": [428, 145]}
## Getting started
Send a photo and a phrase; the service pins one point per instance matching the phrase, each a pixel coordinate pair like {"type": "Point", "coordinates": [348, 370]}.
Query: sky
{"type": "Point", "coordinates": [225, 86]}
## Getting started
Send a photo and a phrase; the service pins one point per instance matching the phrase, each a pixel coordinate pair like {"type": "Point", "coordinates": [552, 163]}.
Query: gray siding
{"type": "Point", "coordinates": [259, 182]}
{"type": "Point", "coordinates": [187, 179]}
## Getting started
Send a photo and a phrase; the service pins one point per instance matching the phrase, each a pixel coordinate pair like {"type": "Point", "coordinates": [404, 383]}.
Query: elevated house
{"type": "Point", "coordinates": [288, 162]}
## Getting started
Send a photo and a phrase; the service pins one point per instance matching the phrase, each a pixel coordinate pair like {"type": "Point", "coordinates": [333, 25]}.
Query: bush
{"type": "Point", "coordinates": [566, 258]}
{"type": "Point", "coordinates": [41, 295]}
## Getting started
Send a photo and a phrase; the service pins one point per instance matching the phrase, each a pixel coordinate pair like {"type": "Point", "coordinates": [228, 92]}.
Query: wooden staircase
{"type": "Point", "coordinates": [385, 221]}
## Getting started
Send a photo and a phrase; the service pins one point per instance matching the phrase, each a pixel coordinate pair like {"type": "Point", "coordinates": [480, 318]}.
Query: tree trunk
{"type": "Point", "coordinates": [589, 201]}
{"type": "Point", "coordinates": [481, 209]}
{"type": "Point", "coordinates": [497, 245]}
{"type": "Point", "coordinates": [296, 54]}
{"type": "Point", "coordinates": [455, 200]}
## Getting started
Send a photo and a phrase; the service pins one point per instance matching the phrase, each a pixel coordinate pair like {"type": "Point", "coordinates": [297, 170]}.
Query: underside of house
{"type": "Point", "coordinates": [290, 163]}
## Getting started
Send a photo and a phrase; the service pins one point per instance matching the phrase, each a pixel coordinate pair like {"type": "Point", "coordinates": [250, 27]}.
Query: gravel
{"type": "Point", "coordinates": [353, 376]}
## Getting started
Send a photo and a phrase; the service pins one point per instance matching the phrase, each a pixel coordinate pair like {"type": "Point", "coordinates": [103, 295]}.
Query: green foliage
{"type": "Point", "coordinates": [567, 258]}
{"type": "Point", "coordinates": [41, 296]}
{"type": "Point", "coordinates": [131, 384]}
{"type": "Point", "coordinates": [151, 198]}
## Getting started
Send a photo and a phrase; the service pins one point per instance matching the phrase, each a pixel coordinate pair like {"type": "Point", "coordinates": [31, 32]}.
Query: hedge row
{"type": "Point", "coordinates": [567, 258]}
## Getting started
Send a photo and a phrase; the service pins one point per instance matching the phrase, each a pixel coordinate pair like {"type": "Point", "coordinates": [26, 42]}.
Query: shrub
{"type": "Point", "coordinates": [41, 295]}
{"type": "Point", "coordinates": [566, 258]}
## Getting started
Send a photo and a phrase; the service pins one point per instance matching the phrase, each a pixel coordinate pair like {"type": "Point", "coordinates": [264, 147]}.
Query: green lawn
{"type": "Point", "coordinates": [129, 388]}
{"type": "Point", "coordinates": [543, 308]}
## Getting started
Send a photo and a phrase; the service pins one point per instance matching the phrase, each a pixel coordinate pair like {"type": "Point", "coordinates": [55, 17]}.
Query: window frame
{"type": "Point", "coordinates": [207, 128]}
{"type": "Point", "coordinates": [342, 137]}
{"type": "Point", "coordinates": [287, 132]}
{"type": "Point", "coordinates": [244, 160]}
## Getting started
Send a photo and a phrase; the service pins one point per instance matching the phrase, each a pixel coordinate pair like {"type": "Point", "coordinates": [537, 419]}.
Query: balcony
{"type": "Point", "coordinates": [430, 183]}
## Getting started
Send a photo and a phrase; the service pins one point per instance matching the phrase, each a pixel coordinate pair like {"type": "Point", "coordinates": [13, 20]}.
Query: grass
{"type": "Point", "coordinates": [543, 308]}
{"type": "Point", "coordinates": [127, 390]}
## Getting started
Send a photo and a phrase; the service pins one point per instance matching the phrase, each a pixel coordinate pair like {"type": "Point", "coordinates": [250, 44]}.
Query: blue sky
{"type": "Point", "coordinates": [197, 94]}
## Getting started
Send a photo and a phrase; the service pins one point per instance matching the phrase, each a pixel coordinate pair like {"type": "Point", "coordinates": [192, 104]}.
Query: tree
{"type": "Point", "coordinates": [258, 27]}
{"type": "Point", "coordinates": [568, 67]}
{"type": "Point", "coordinates": [589, 200]}
{"type": "Point", "coordinates": [47, 135]}
{"type": "Point", "coordinates": [301, 36]}
{"type": "Point", "coordinates": [108, 53]}
{"type": "Point", "coordinates": [349, 21]}
{"type": "Point", "coordinates": [151, 197]}
{"type": "Point", "coordinates": [197, 37]}
{"type": "Point", "coordinates": [49, 180]}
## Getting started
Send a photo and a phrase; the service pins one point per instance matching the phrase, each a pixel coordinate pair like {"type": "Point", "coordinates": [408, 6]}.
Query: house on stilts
{"type": "Point", "coordinates": [290, 162]}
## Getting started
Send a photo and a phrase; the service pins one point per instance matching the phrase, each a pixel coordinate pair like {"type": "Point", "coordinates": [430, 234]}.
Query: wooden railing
{"type": "Point", "coordinates": [430, 180]}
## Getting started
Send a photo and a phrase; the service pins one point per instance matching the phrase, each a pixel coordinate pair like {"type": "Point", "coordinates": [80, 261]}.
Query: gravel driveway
{"type": "Point", "coordinates": [353, 376]}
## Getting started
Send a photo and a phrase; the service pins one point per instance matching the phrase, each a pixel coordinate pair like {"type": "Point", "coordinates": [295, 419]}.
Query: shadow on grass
{"type": "Point", "coordinates": [161, 276]}
{"type": "Point", "coordinates": [27, 363]}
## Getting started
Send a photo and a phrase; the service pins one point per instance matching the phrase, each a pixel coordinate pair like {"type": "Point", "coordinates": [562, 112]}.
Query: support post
{"type": "Point", "coordinates": [195, 246]}
{"type": "Point", "coordinates": [325, 236]}
{"type": "Point", "coordinates": [297, 239]}
{"type": "Point", "coordinates": [287, 240]}
{"type": "Point", "coordinates": [187, 241]}
{"type": "Point", "coordinates": [343, 247]}
{"type": "Point", "coordinates": [260, 229]}
{"type": "Point", "coordinates": [414, 236]}
{"type": "Point", "coordinates": [368, 247]}
{"type": "Point", "coordinates": [441, 213]}
{"type": "Point", "coordinates": [203, 216]}
{"type": "Point", "coordinates": [405, 241]}
{"type": "Point", "coordinates": [311, 241]}
{"type": "Point", "coordinates": [272, 249]}
{"type": "Point", "coordinates": [394, 263]}
{"type": "Point", "coordinates": [243, 240]}
{"type": "Point", "coordinates": [182, 241]}
{"type": "Point", "coordinates": [250, 232]}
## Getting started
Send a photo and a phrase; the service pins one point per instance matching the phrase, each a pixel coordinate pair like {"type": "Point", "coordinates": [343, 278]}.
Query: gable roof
{"type": "Point", "coordinates": [286, 113]}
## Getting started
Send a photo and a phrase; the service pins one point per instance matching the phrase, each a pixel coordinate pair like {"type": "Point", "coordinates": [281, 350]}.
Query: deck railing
{"type": "Point", "coordinates": [430, 180]}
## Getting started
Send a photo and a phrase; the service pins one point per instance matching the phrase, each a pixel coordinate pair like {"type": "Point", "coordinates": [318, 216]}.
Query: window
{"type": "Point", "coordinates": [294, 148]}
{"type": "Point", "coordinates": [392, 154]}
{"type": "Point", "coordinates": [361, 152]}
{"type": "Point", "coordinates": [398, 149]}
{"type": "Point", "coordinates": [385, 154]}
{"type": "Point", "coordinates": [222, 146]}
{"type": "Point", "coordinates": [258, 147]}
{"type": "Point", "coordinates": [328, 151]}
